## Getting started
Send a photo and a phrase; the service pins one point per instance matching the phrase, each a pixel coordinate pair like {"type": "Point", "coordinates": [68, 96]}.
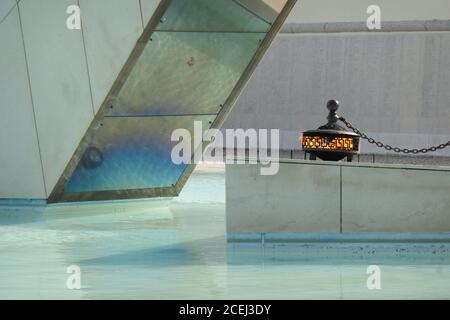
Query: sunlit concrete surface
{"type": "Point", "coordinates": [152, 250]}
{"type": "Point", "coordinates": [321, 196]}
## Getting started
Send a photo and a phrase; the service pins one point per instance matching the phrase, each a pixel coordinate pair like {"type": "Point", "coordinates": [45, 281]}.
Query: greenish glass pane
{"type": "Point", "coordinates": [132, 153]}
{"type": "Point", "coordinates": [211, 15]}
{"type": "Point", "coordinates": [186, 73]}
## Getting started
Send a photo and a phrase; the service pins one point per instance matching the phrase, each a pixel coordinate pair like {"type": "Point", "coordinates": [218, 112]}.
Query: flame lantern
{"type": "Point", "coordinates": [330, 142]}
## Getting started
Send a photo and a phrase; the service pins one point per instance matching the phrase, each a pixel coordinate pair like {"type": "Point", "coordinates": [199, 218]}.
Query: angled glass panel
{"type": "Point", "coordinates": [132, 153]}
{"type": "Point", "coordinates": [186, 73]}
{"type": "Point", "coordinates": [196, 62]}
{"type": "Point", "coordinates": [211, 15]}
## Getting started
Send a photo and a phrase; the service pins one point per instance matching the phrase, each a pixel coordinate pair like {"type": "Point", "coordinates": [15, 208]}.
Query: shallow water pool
{"type": "Point", "coordinates": [177, 249]}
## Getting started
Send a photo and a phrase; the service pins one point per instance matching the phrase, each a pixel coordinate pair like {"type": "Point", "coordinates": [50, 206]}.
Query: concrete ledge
{"type": "Point", "coordinates": [387, 26]}
{"type": "Point", "coordinates": [395, 199]}
{"type": "Point", "coordinates": [337, 198]}
{"type": "Point", "coordinates": [356, 237]}
{"type": "Point", "coordinates": [22, 202]}
{"type": "Point", "coordinates": [286, 202]}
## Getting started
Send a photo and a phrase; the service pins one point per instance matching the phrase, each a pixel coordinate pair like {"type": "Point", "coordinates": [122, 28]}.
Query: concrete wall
{"type": "Point", "coordinates": [310, 197]}
{"type": "Point", "coordinates": [392, 85]}
{"type": "Point", "coordinates": [20, 163]}
{"type": "Point", "coordinates": [319, 11]}
{"type": "Point", "coordinates": [54, 79]}
{"type": "Point", "coordinates": [395, 199]}
{"type": "Point", "coordinates": [286, 202]}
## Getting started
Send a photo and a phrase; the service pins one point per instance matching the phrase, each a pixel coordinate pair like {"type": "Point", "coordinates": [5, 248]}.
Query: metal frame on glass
{"type": "Point", "coordinates": [59, 195]}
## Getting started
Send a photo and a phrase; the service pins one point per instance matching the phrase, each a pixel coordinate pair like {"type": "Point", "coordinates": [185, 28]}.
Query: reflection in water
{"type": "Point", "coordinates": [151, 250]}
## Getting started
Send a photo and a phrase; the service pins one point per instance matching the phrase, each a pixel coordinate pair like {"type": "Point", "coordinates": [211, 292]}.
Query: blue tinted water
{"type": "Point", "coordinates": [148, 250]}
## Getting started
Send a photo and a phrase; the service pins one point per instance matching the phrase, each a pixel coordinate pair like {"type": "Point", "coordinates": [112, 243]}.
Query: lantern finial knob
{"type": "Point", "coordinates": [333, 105]}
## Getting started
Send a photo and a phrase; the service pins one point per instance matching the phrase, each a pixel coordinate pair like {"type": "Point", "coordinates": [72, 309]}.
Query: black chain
{"type": "Point", "coordinates": [390, 148]}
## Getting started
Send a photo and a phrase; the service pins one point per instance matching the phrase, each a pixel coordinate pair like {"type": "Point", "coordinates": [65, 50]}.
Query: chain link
{"type": "Point", "coordinates": [380, 144]}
